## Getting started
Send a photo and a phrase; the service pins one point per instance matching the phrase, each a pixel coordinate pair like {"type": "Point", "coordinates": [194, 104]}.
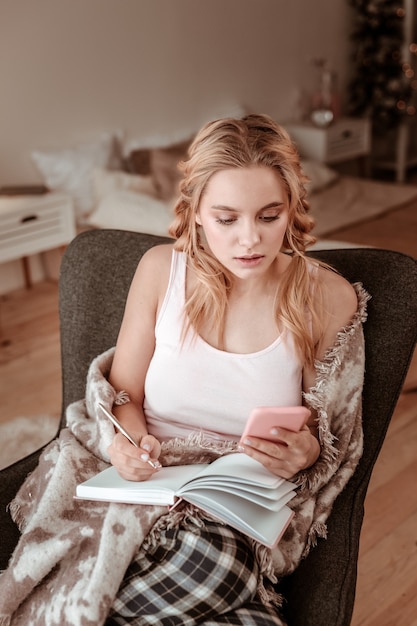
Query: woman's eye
{"type": "Point", "coordinates": [225, 221]}
{"type": "Point", "coordinates": [269, 218]}
{"type": "Point", "coordinates": [229, 220]}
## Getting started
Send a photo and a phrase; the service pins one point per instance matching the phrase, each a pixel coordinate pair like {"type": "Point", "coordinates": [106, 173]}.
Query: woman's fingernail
{"type": "Point", "coordinates": [147, 447]}
{"type": "Point", "coordinates": [274, 431]}
{"type": "Point", "coordinates": [144, 457]}
{"type": "Point", "coordinates": [247, 442]}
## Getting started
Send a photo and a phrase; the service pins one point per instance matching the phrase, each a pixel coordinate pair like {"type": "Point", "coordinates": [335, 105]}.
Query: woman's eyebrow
{"type": "Point", "coordinates": [270, 205]}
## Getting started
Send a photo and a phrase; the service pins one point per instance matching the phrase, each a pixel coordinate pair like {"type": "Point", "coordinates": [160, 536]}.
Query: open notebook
{"type": "Point", "coordinates": [234, 488]}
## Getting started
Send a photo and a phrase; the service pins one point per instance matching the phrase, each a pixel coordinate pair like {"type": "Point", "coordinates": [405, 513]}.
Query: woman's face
{"type": "Point", "coordinates": [244, 215]}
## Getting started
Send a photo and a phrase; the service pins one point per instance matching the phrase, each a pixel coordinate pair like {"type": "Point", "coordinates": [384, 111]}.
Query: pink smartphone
{"type": "Point", "coordinates": [264, 418]}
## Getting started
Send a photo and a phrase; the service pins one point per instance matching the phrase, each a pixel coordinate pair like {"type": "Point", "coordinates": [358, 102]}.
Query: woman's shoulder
{"type": "Point", "coordinates": [156, 261]}
{"type": "Point", "coordinates": [161, 254]}
{"type": "Point", "coordinates": [340, 296]}
{"type": "Point", "coordinates": [152, 272]}
{"type": "Point", "coordinates": [331, 278]}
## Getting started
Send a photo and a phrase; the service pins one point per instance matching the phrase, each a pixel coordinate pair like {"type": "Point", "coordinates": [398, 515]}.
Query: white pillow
{"type": "Point", "coordinates": [320, 175]}
{"type": "Point", "coordinates": [126, 210]}
{"type": "Point", "coordinates": [70, 170]}
{"type": "Point", "coordinates": [107, 181]}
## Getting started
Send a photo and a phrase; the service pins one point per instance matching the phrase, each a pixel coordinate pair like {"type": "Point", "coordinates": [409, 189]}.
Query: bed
{"type": "Point", "coordinates": [132, 186]}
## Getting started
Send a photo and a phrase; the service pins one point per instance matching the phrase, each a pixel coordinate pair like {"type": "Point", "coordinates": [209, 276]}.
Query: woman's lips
{"type": "Point", "coordinates": [250, 261]}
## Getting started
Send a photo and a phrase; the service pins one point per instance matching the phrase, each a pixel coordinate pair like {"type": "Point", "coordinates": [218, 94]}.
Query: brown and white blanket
{"type": "Point", "coordinates": [72, 554]}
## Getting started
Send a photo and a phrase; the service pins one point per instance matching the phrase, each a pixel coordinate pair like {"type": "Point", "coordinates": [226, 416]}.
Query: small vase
{"type": "Point", "coordinates": [325, 102]}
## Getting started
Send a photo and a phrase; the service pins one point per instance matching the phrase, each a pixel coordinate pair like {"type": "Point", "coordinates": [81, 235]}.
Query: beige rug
{"type": "Point", "coordinates": [23, 435]}
{"type": "Point", "coordinates": [351, 200]}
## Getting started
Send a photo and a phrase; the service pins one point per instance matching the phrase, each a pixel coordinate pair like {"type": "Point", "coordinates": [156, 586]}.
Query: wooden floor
{"type": "Point", "coordinates": [30, 369]}
{"type": "Point", "coordinates": [30, 384]}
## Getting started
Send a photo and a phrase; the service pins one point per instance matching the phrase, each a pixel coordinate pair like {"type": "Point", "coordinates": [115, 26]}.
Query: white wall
{"type": "Point", "coordinates": [71, 69]}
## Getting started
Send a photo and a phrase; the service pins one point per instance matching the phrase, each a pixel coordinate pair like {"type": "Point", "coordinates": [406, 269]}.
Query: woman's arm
{"type": "Point", "coordinates": [134, 349]}
{"type": "Point", "coordinates": [301, 450]}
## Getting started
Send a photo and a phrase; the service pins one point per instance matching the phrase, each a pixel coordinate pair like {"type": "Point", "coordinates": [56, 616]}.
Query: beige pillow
{"type": "Point", "coordinates": [164, 168]}
{"type": "Point", "coordinates": [127, 210]}
{"type": "Point", "coordinates": [107, 181]}
{"type": "Point", "coordinates": [138, 161]}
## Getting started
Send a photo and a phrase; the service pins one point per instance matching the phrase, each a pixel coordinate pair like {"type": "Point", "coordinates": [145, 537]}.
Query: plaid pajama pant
{"type": "Point", "coordinates": [204, 576]}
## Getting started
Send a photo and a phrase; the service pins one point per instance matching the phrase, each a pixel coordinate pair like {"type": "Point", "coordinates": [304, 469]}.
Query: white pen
{"type": "Point", "coordinates": [117, 424]}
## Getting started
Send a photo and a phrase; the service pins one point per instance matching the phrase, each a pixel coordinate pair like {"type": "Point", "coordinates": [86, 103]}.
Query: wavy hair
{"type": "Point", "coordinates": [254, 140]}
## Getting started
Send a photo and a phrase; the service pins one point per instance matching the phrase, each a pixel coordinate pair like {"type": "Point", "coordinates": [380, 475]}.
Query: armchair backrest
{"type": "Point", "coordinates": [95, 276]}
{"type": "Point", "coordinates": [96, 272]}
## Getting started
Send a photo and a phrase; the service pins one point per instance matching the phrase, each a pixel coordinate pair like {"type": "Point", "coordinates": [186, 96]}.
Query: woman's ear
{"type": "Point", "coordinates": [198, 219]}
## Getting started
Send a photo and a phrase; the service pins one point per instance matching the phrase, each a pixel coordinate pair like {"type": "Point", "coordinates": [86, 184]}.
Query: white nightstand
{"type": "Point", "coordinates": [34, 224]}
{"type": "Point", "coordinates": [345, 139]}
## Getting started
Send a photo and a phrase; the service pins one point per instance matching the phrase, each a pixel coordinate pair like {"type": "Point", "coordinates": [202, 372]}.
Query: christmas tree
{"type": "Point", "coordinates": [383, 85]}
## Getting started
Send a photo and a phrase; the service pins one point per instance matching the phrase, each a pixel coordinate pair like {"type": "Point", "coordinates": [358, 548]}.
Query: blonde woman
{"type": "Point", "coordinates": [229, 317]}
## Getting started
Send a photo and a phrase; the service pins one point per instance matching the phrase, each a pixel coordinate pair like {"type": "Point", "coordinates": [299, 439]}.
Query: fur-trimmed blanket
{"type": "Point", "coordinates": [72, 555]}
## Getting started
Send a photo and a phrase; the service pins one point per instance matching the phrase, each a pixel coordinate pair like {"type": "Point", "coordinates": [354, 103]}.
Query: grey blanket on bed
{"type": "Point", "coordinates": [72, 554]}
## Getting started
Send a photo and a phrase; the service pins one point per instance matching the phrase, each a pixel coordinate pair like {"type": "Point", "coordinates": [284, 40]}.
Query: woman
{"type": "Point", "coordinates": [233, 315]}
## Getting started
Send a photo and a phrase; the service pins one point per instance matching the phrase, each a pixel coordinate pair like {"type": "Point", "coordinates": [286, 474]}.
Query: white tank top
{"type": "Point", "coordinates": [192, 386]}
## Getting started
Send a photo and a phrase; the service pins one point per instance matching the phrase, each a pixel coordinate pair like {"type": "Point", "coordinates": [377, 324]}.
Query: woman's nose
{"type": "Point", "coordinates": [249, 235]}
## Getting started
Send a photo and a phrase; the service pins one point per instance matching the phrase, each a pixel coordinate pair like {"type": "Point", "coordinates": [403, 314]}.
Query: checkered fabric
{"type": "Point", "coordinates": [203, 576]}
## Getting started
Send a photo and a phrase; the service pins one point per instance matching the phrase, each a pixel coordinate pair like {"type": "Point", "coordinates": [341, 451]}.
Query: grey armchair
{"type": "Point", "coordinates": [95, 276]}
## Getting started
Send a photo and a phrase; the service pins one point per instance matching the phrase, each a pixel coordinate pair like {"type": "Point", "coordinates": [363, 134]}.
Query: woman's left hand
{"type": "Point", "coordinates": [286, 453]}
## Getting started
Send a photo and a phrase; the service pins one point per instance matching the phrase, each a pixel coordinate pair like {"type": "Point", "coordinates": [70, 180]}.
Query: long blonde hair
{"type": "Point", "coordinates": [235, 143]}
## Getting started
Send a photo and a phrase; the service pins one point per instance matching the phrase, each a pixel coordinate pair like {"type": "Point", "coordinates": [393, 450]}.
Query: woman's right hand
{"type": "Point", "coordinates": [132, 462]}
